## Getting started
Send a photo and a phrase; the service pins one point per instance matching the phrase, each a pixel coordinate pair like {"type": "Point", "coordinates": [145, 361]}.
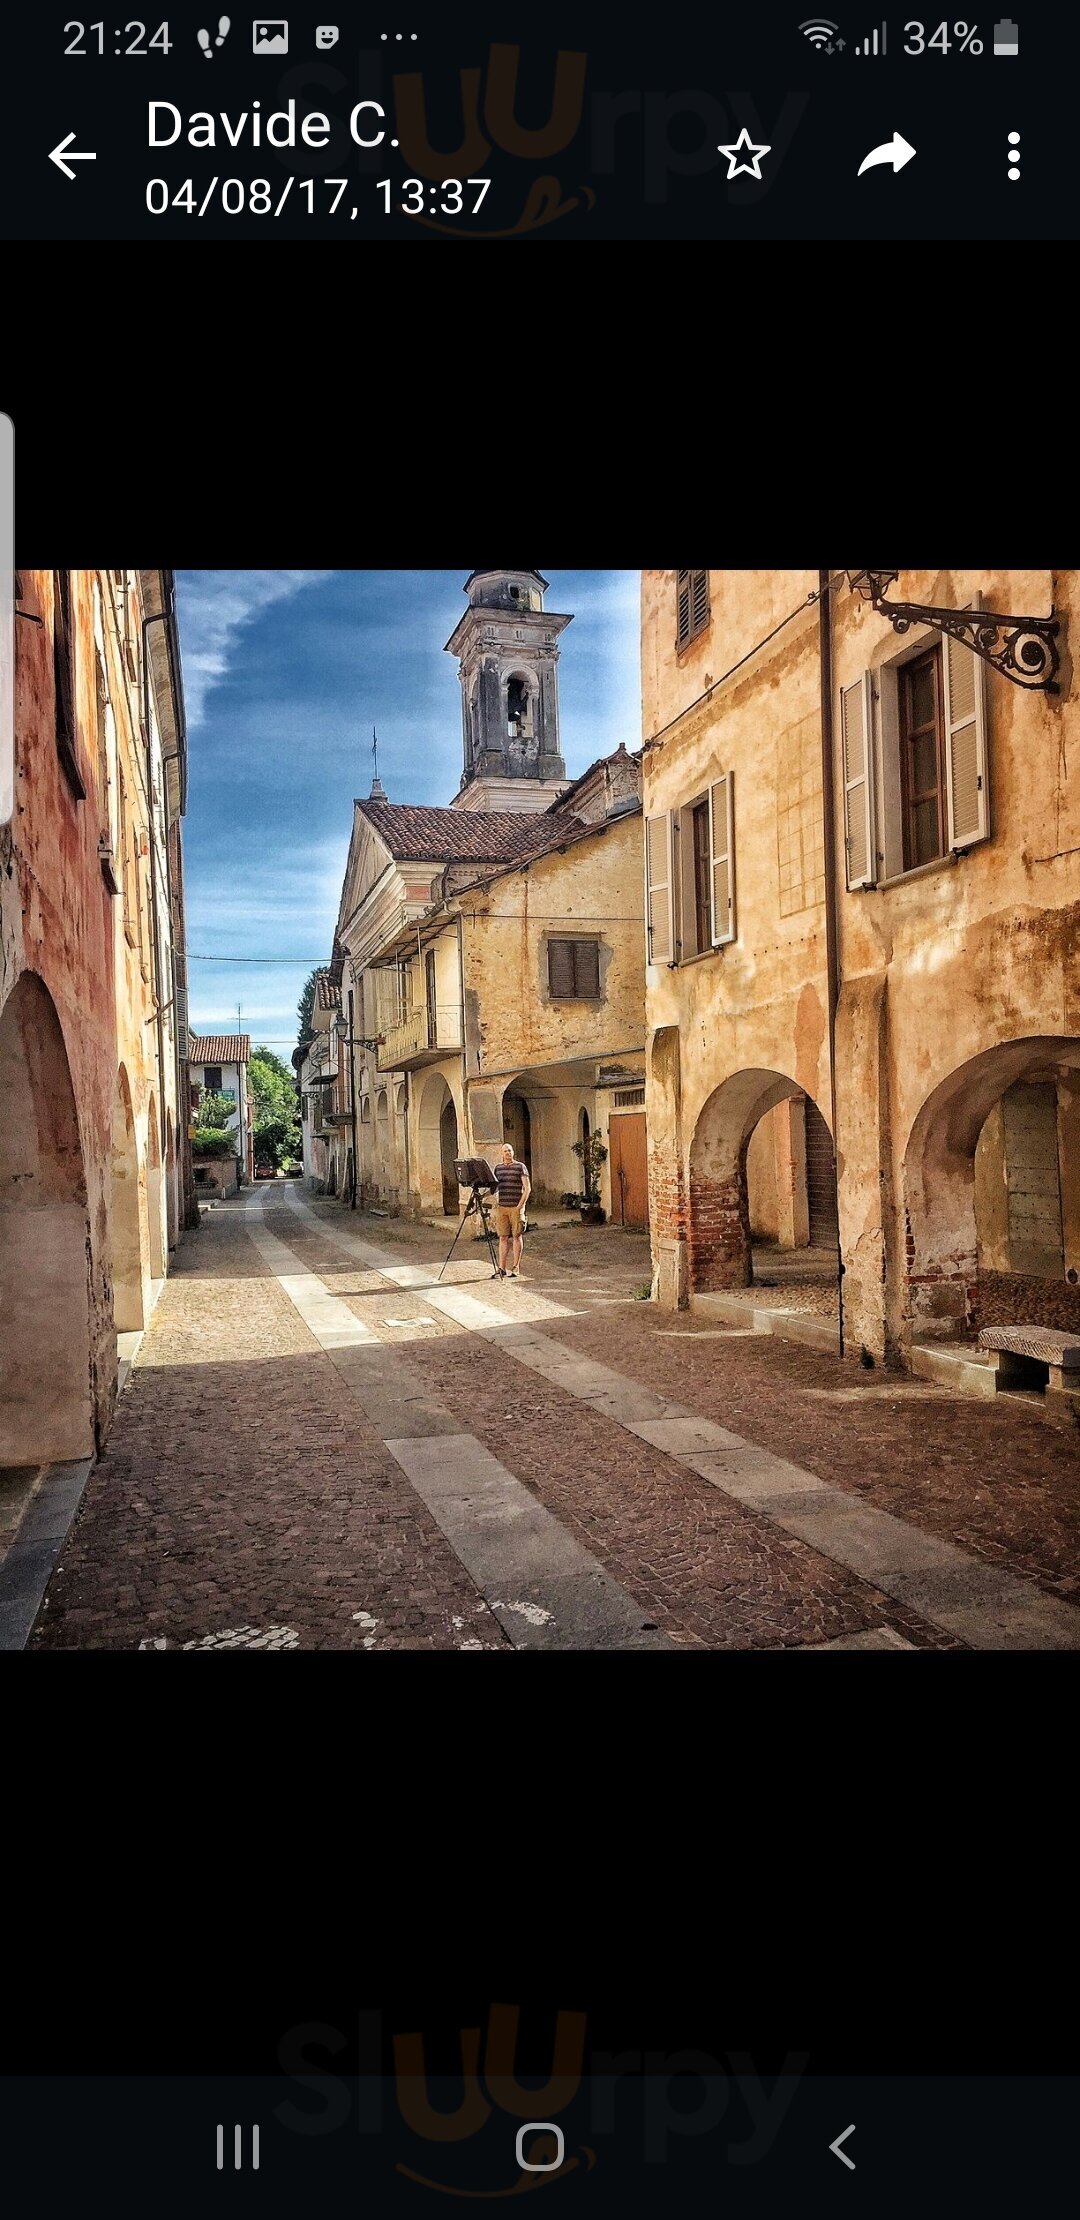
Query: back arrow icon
{"type": "Point", "coordinates": [842, 2155]}
{"type": "Point", "coordinates": [65, 153]}
{"type": "Point", "coordinates": [896, 150]}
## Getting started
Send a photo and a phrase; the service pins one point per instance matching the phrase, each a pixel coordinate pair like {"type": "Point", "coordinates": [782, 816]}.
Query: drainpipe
{"type": "Point", "coordinates": [352, 1102]}
{"type": "Point", "coordinates": [464, 1052]}
{"type": "Point", "coordinates": [831, 884]}
{"type": "Point", "coordinates": [163, 617]}
{"type": "Point", "coordinates": [408, 1165]}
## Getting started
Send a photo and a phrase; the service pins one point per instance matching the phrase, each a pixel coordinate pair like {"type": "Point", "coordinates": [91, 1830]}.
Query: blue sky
{"type": "Point", "coordinates": [285, 672]}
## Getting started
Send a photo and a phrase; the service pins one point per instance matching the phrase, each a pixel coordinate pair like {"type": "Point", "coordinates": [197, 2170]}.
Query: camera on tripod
{"type": "Point", "coordinates": [475, 1173]}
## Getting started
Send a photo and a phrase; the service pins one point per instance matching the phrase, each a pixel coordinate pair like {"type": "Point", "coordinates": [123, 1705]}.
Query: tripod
{"type": "Point", "coordinates": [477, 1202]}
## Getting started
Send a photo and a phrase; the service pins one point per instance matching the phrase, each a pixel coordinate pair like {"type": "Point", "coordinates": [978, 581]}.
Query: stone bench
{"type": "Point", "coordinates": [1012, 1348]}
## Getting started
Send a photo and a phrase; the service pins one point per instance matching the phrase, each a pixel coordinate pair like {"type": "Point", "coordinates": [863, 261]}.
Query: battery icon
{"type": "Point", "coordinates": [1006, 38]}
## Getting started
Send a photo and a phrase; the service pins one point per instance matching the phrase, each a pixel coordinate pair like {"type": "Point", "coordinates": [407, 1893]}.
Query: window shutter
{"type": "Point", "coordinates": [587, 958]}
{"type": "Point", "coordinates": [660, 927]}
{"type": "Point", "coordinates": [561, 967]}
{"type": "Point", "coordinates": [721, 859]}
{"type": "Point", "coordinates": [699, 600]}
{"type": "Point", "coordinates": [683, 628]}
{"type": "Point", "coordinates": [965, 744]}
{"type": "Point", "coordinates": [856, 726]}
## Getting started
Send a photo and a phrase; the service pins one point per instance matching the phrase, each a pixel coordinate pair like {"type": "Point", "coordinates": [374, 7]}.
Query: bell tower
{"type": "Point", "coordinates": [507, 645]}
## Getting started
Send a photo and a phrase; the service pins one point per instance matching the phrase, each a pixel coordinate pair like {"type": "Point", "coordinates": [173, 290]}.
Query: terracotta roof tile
{"type": "Point", "coordinates": [327, 995]}
{"type": "Point", "coordinates": [462, 835]}
{"type": "Point", "coordinates": [220, 1048]}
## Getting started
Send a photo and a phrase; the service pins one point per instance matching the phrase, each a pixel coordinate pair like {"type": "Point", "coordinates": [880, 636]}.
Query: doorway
{"type": "Point", "coordinates": [448, 1150]}
{"type": "Point", "coordinates": [629, 1170]}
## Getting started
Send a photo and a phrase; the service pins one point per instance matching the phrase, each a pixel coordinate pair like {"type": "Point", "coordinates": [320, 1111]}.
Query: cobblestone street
{"type": "Point", "coordinates": [322, 1446]}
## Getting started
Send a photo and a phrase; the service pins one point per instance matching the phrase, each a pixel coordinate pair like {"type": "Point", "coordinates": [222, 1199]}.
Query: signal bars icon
{"type": "Point", "coordinates": [819, 31]}
{"type": "Point", "coordinates": [238, 2154]}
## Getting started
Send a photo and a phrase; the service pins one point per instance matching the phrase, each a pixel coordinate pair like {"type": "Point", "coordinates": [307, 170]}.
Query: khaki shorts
{"type": "Point", "coordinates": [508, 1222]}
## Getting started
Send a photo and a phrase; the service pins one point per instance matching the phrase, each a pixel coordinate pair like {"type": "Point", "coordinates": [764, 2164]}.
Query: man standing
{"type": "Point", "coordinates": [514, 1186]}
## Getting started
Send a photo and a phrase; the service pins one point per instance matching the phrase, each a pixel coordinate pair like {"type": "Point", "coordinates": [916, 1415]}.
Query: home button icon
{"type": "Point", "coordinates": [547, 2165]}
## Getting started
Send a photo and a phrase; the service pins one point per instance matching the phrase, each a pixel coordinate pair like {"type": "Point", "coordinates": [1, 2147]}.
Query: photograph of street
{"type": "Point", "coordinates": [541, 1111]}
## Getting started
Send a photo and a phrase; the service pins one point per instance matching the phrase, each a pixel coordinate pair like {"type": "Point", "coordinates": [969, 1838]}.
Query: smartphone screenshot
{"type": "Point", "coordinates": [572, 122]}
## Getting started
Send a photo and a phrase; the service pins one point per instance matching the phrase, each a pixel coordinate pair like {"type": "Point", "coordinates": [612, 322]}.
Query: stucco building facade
{"type": "Point", "coordinates": [863, 987]}
{"type": "Point", "coordinates": [488, 953]}
{"type": "Point", "coordinates": [218, 1065]}
{"type": "Point", "coordinates": [94, 1169]}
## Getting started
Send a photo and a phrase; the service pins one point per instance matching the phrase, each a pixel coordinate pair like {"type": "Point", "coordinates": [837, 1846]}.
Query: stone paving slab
{"type": "Point", "coordinates": [753, 1475]}
{"type": "Point", "coordinates": [872, 1543]}
{"type": "Point", "coordinates": [28, 1566]}
{"type": "Point", "coordinates": [684, 1435]}
{"type": "Point", "coordinates": [876, 1638]}
{"type": "Point", "coordinates": [512, 1546]}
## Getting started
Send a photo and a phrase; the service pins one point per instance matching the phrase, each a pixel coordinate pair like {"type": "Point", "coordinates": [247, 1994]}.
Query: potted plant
{"type": "Point", "coordinates": [592, 1153]}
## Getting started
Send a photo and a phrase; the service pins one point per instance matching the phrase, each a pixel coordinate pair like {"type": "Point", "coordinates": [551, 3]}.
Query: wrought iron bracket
{"type": "Point", "coordinates": [1023, 649]}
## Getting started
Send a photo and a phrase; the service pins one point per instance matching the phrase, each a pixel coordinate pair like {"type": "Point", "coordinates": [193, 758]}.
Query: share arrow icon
{"type": "Point", "coordinates": [895, 151]}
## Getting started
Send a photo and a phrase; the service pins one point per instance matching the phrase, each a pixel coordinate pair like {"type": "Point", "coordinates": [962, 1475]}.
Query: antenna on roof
{"type": "Point", "coordinates": [378, 791]}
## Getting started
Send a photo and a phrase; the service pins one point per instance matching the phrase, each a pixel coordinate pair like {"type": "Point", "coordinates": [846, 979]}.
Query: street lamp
{"type": "Point", "coordinates": [1023, 649]}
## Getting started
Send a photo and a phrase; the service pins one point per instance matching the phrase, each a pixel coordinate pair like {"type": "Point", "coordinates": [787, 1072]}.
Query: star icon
{"type": "Point", "coordinates": [744, 145]}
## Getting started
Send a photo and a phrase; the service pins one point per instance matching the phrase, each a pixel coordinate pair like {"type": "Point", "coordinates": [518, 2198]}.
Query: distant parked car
{"type": "Point", "coordinates": [265, 1171]}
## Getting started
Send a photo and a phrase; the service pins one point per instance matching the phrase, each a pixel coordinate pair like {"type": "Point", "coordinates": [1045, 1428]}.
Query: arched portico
{"type": "Point", "coordinates": [45, 1398]}
{"type": "Point", "coordinates": [154, 1195]}
{"type": "Point", "coordinates": [437, 1151]}
{"type": "Point", "coordinates": [973, 1209]}
{"type": "Point", "coordinates": [125, 1214]}
{"type": "Point", "coordinates": [721, 1251]}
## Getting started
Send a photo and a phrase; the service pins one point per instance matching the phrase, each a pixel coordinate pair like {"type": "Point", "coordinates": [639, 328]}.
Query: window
{"type": "Point", "coordinates": [630, 1098]}
{"type": "Point", "coordinates": [915, 765]}
{"type": "Point", "coordinates": [691, 877]}
{"type": "Point", "coordinates": [659, 911]}
{"type": "Point", "coordinates": [699, 834]}
{"type": "Point", "coordinates": [64, 678]}
{"type": "Point", "coordinates": [127, 865]}
{"type": "Point", "coordinates": [518, 709]}
{"type": "Point", "coordinates": [303, 1110]}
{"type": "Point", "coordinates": [574, 970]}
{"type": "Point", "coordinates": [922, 760]}
{"type": "Point", "coordinates": [212, 1079]}
{"type": "Point", "coordinates": [693, 604]}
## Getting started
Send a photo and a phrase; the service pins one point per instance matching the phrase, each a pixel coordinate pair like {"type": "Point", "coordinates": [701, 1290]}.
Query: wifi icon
{"type": "Point", "coordinates": [819, 30]}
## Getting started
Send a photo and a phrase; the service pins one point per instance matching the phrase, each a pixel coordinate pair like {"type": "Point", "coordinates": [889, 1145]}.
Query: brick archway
{"type": "Point", "coordinates": [940, 1263]}
{"type": "Point", "coordinates": [720, 1243]}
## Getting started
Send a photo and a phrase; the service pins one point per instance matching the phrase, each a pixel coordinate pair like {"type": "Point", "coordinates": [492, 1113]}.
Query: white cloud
{"type": "Point", "coordinates": [214, 606]}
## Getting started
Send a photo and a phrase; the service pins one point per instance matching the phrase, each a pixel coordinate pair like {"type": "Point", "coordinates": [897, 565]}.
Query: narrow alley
{"type": "Point", "coordinates": [323, 1445]}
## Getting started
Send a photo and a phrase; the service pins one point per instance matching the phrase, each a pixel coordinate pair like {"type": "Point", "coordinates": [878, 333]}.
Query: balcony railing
{"type": "Point", "coordinates": [420, 1038]}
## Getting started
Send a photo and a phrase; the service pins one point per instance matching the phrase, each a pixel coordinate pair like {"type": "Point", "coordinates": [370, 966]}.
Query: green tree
{"type": "Point", "coordinates": [276, 1109]}
{"type": "Point", "coordinates": [305, 1010]}
{"type": "Point", "coordinates": [215, 1112]}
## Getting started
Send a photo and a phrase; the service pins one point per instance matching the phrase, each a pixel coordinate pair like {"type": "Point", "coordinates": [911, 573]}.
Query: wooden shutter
{"type": "Point", "coordinates": [699, 600]}
{"type": "Point", "coordinates": [64, 674]}
{"type": "Point", "coordinates": [561, 968]}
{"type": "Point", "coordinates": [722, 859]}
{"type": "Point", "coordinates": [587, 968]}
{"type": "Point", "coordinates": [660, 930]}
{"type": "Point", "coordinates": [683, 626]}
{"type": "Point", "coordinates": [856, 726]}
{"type": "Point", "coordinates": [964, 692]}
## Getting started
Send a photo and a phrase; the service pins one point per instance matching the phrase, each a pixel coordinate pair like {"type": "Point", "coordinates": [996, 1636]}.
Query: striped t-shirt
{"type": "Point", "coordinates": [510, 1181]}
